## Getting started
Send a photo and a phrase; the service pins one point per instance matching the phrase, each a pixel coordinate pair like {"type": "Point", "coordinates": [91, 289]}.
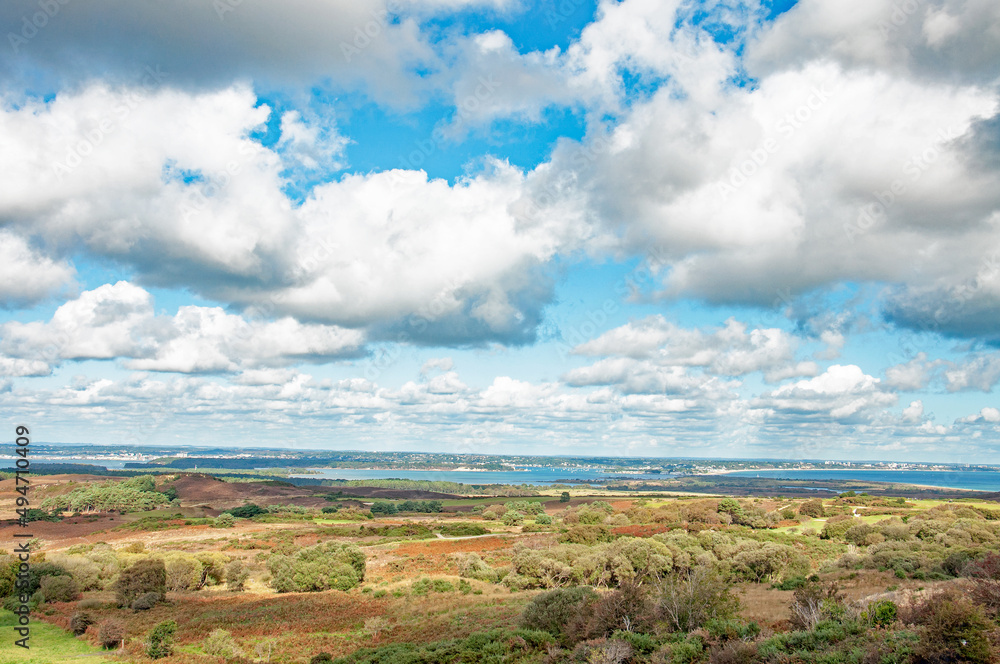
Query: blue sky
{"type": "Point", "coordinates": [716, 229]}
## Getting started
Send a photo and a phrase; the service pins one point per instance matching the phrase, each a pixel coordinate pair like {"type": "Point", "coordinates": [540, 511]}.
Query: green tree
{"type": "Point", "coordinates": [161, 640]}
{"type": "Point", "coordinates": [564, 497]}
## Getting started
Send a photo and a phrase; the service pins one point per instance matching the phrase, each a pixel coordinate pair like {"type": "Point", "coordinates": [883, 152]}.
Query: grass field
{"type": "Point", "coordinates": [49, 645]}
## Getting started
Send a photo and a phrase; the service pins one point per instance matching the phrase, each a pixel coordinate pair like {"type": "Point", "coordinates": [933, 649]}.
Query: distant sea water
{"type": "Point", "coordinates": [956, 479]}
{"type": "Point", "coordinates": [953, 479]}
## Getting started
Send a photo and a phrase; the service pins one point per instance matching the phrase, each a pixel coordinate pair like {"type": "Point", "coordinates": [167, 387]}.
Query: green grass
{"type": "Point", "coordinates": [49, 645]}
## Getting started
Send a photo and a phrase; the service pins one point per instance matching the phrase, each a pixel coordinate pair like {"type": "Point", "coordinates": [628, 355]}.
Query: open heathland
{"type": "Point", "coordinates": [187, 568]}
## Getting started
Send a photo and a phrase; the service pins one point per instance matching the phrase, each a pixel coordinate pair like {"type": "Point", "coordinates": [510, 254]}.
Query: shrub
{"type": "Point", "coordinates": [614, 651]}
{"type": "Point", "coordinates": [144, 576]}
{"type": "Point", "coordinates": [687, 601]}
{"type": "Point", "coordinates": [146, 601]}
{"type": "Point", "coordinates": [337, 566]}
{"type": "Point", "coordinates": [734, 652]}
{"type": "Point", "coordinates": [247, 511]}
{"type": "Point", "coordinates": [79, 622]}
{"type": "Point", "coordinates": [836, 527]}
{"type": "Point", "coordinates": [953, 630]}
{"type": "Point", "coordinates": [543, 519]}
{"type": "Point", "coordinates": [225, 520]}
{"type": "Point", "coordinates": [985, 575]}
{"type": "Point", "coordinates": [86, 573]}
{"type": "Point", "coordinates": [183, 572]}
{"type": "Point", "coordinates": [474, 567]}
{"type": "Point", "coordinates": [760, 561]}
{"type": "Point", "coordinates": [813, 508]}
{"type": "Point", "coordinates": [564, 497]}
{"type": "Point", "coordinates": [382, 507]}
{"type": "Point", "coordinates": [863, 534]}
{"type": "Point", "coordinates": [461, 529]}
{"type": "Point", "coordinates": [626, 609]}
{"type": "Point", "coordinates": [111, 633]}
{"type": "Point", "coordinates": [213, 567]}
{"type": "Point", "coordinates": [880, 613]}
{"type": "Point", "coordinates": [512, 518]}
{"type": "Point", "coordinates": [587, 534]}
{"type": "Point", "coordinates": [562, 613]}
{"type": "Point", "coordinates": [161, 640]}
{"type": "Point", "coordinates": [221, 643]}
{"type": "Point", "coordinates": [812, 603]}
{"type": "Point", "coordinates": [236, 576]}
{"type": "Point", "coordinates": [59, 589]}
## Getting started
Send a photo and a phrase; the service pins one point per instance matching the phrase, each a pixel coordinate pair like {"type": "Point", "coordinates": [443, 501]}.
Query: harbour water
{"type": "Point", "coordinates": [532, 475]}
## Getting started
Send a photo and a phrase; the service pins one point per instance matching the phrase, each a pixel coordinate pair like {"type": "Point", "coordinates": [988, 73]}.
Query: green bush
{"type": "Point", "coordinates": [791, 583]}
{"type": "Point", "coordinates": [543, 519]}
{"type": "Point", "coordinates": [512, 518]}
{"type": "Point", "coordinates": [732, 629]}
{"type": "Point", "coordinates": [562, 613]}
{"type": "Point", "coordinates": [221, 643]}
{"type": "Point", "coordinates": [160, 642]}
{"type": "Point", "coordinates": [146, 601]}
{"type": "Point", "coordinates": [586, 534]}
{"type": "Point", "coordinates": [953, 630]}
{"type": "Point", "coordinates": [880, 613]}
{"type": "Point", "coordinates": [499, 645]}
{"type": "Point", "coordinates": [472, 566]}
{"type": "Point", "coordinates": [59, 589]}
{"type": "Point", "coordinates": [145, 576]}
{"type": "Point", "coordinates": [247, 511]}
{"type": "Point", "coordinates": [686, 652]}
{"type": "Point", "coordinates": [564, 497]}
{"type": "Point", "coordinates": [813, 507]}
{"type": "Point", "coordinates": [836, 527]}
{"type": "Point", "coordinates": [236, 575]}
{"type": "Point", "coordinates": [461, 529]}
{"type": "Point", "coordinates": [336, 566]}
{"type": "Point", "coordinates": [225, 520]}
